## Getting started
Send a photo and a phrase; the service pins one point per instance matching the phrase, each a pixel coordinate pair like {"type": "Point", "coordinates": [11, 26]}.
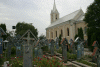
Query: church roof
{"type": "Point", "coordinates": [77, 15]}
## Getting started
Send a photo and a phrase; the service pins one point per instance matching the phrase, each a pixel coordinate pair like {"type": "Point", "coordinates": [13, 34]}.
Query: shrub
{"type": "Point", "coordinates": [13, 50]}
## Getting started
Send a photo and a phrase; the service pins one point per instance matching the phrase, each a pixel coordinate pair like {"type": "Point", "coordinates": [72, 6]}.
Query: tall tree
{"type": "Point", "coordinates": [21, 28]}
{"type": "Point", "coordinates": [80, 33]}
{"type": "Point", "coordinates": [92, 17]}
{"type": "Point", "coordinates": [3, 26]}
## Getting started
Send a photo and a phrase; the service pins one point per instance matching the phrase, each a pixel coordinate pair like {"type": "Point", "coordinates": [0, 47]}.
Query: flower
{"type": "Point", "coordinates": [51, 65]}
{"type": "Point", "coordinates": [41, 59]}
{"type": "Point", "coordinates": [7, 64]}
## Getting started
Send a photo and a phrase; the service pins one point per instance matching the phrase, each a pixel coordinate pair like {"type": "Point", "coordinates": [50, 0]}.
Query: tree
{"type": "Point", "coordinates": [76, 36]}
{"type": "Point", "coordinates": [3, 26]}
{"type": "Point", "coordinates": [42, 36]}
{"type": "Point", "coordinates": [21, 28]}
{"type": "Point", "coordinates": [92, 17]}
{"type": "Point", "coordinates": [60, 39]}
{"type": "Point", "coordinates": [80, 33]}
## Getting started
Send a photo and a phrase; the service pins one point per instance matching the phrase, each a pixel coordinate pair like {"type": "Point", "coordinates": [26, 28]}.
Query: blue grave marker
{"type": "Point", "coordinates": [1, 46]}
{"type": "Point", "coordinates": [52, 47]}
{"type": "Point", "coordinates": [78, 51]}
{"type": "Point", "coordinates": [57, 43]}
{"type": "Point", "coordinates": [64, 43]}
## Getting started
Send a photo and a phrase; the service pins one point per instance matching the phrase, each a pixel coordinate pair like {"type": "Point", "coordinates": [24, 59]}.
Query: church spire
{"type": "Point", "coordinates": [54, 13]}
{"type": "Point", "coordinates": [54, 6]}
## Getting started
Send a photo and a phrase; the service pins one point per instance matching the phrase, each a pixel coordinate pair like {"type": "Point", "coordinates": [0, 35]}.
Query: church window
{"type": "Point", "coordinates": [61, 32]}
{"type": "Point", "coordinates": [51, 34]}
{"type": "Point", "coordinates": [56, 16]}
{"type": "Point", "coordinates": [56, 33]}
{"type": "Point", "coordinates": [67, 31]}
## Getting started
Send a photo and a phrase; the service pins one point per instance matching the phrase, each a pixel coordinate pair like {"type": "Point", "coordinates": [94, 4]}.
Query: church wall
{"type": "Point", "coordinates": [83, 25]}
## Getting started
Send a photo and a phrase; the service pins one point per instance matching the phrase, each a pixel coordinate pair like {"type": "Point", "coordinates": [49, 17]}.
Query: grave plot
{"type": "Point", "coordinates": [44, 52]}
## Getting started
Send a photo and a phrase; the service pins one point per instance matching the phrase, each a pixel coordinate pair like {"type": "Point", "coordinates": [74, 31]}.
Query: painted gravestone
{"type": "Point", "coordinates": [96, 53]}
{"type": "Point", "coordinates": [82, 49]}
{"type": "Point", "coordinates": [36, 45]}
{"type": "Point", "coordinates": [28, 49]}
{"type": "Point", "coordinates": [18, 49]}
{"type": "Point", "coordinates": [1, 39]}
{"type": "Point", "coordinates": [73, 48]}
{"type": "Point", "coordinates": [57, 43]}
{"type": "Point", "coordinates": [79, 47]}
{"type": "Point", "coordinates": [9, 50]}
{"type": "Point", "coordinates": [52, 47]}
{"type": "Point", "coordinates": [49, 44]}
{"type": "Point", "coordinates": [64, 43]}
{"type": "Point", "coordinates": [40, 52]}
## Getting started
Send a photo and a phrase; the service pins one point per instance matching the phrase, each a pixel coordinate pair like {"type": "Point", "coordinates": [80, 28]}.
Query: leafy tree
{"type": "Point", "coordinates": [3, 26]}
{"type": "Point", "coordinates": [21, 28]}
{"type": "Point", "coordinates": [42, 36]}
{"type": "Point", "coordinates": [92, 17]}
{"type": "Point", "coordinates": [60, 39]}
{"type": "Point", "coordinates": [80, 33]}
{"type": "Point", "coordinates": [76, 36]}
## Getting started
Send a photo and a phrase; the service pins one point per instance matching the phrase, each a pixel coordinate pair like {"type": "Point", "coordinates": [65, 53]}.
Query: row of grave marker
{"type": "Point", "coordinates": [27, 52]}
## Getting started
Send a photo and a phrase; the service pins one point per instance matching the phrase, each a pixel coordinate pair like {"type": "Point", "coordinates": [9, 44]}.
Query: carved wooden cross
{"type": "Point", "coordinates": [28, 38]}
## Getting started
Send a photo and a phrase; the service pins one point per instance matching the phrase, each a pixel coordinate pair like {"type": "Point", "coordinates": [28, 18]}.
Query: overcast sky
{"type": "Point", "coordinates": [37, 11]}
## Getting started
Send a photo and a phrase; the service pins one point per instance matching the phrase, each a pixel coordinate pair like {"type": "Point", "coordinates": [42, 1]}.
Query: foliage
{"type": "Point", "coordinates": [45, 48]}
{"type": "Point", "coordinates": [86, 62]}
{"type": "Point", "coordinates": [60, 39]}
{"type": "Point", "coordinates": [17, 62]}
{"type": "Point", "coordinates": [21, 28]}
{"type": "Point", "coordinates": [1, 61]}
{"type": "Point", "coordinates": [13, 50]}
{"type": "Point", "coordinates": [71, 56]}
{"type": "Point", "coordinates": [3, 26]}
{"type": "Point", "coordinates": [80, 33]}
{"type": "Point", "coordinates": [46, 62]}
{"type": "Point", "coordinates": [59, 51]}
{"type": "Point", "coordinates": [93, 20]}
{"type": "Point", "coordinates": [76, 36]}
{"type": "Point", "coordinates": [42, 37]}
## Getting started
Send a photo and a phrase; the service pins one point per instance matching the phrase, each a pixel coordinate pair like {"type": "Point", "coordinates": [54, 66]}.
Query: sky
{"type": "Point", "coordinates": [37, 12]}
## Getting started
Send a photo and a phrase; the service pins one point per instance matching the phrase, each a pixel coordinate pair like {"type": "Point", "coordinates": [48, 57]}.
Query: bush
{"type": "Point", "coordinates": [13, 50]}
{"type": "Point", "coordinates": [71, 56]}
{"type": "Point", "coordinates": [45, 48]}
{"type": "Point", "coordinates": [46, 62]}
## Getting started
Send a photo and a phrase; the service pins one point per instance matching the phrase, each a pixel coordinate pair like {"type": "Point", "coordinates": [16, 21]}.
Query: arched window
{"type": "Point", "coordinates": [56, 16]}
{"type": "Point", "coordinates": [61, 32]}
{"type": "Point", "coordinates": [67, 31]}
{"type": "Point", "coordinates": [56, 33]}
{"type": "Point", "coordinates": [51, 34]}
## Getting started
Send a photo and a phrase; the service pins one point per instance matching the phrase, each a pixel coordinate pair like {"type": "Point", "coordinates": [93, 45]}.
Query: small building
{"type": "Point", "coordinates": [66, 26]}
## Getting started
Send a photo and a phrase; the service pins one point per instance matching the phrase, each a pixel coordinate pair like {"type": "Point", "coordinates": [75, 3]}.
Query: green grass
{"type": "Point", "coordinates": [86, 62]}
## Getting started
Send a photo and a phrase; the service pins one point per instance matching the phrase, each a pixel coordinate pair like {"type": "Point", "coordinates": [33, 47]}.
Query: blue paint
{"type": "Point", "coordinates": [78, 51]}
{"type": "Point", "coordinates": [1, 50]}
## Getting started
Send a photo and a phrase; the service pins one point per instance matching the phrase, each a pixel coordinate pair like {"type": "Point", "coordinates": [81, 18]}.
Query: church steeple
{"type": "Point", "coordinates": [54, 6]}
{"type": "Point", "coordinates": [54, 13]}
